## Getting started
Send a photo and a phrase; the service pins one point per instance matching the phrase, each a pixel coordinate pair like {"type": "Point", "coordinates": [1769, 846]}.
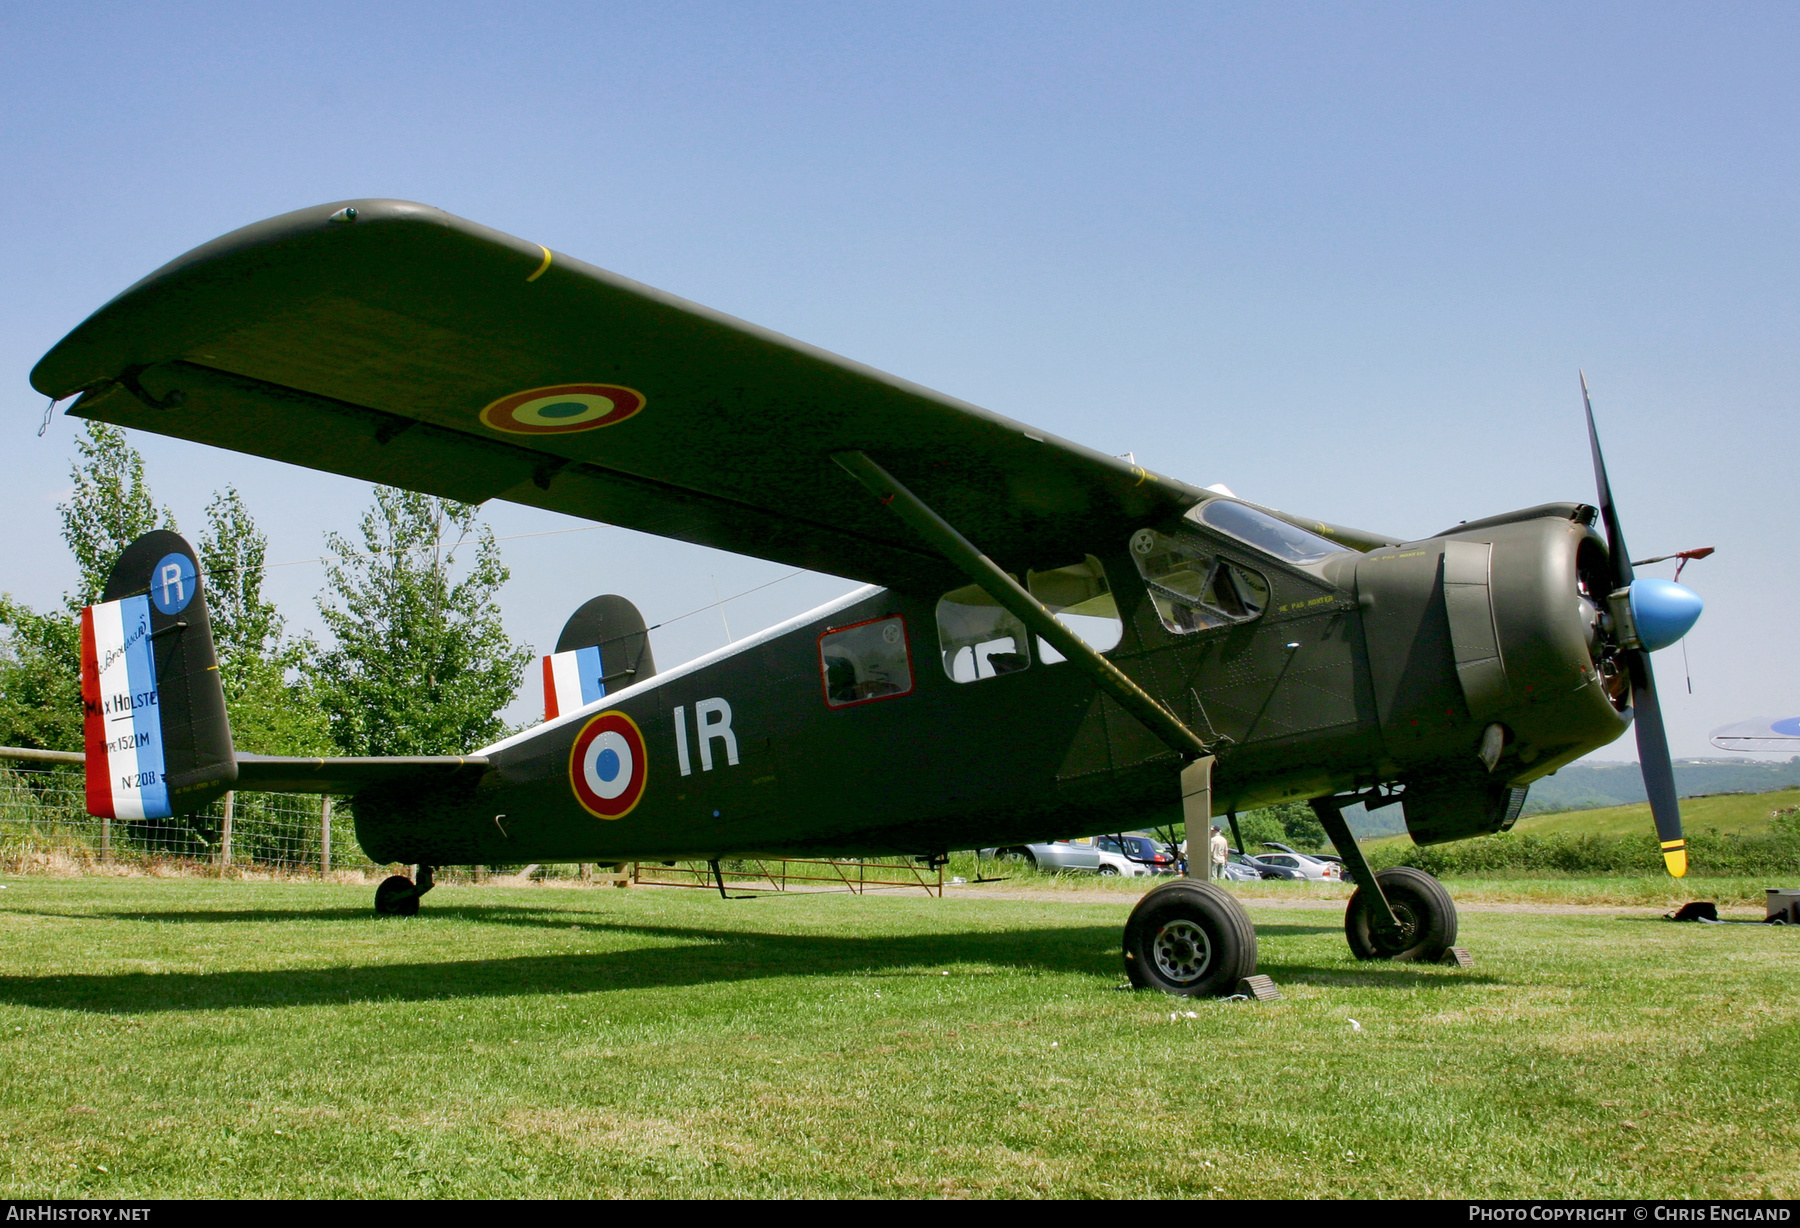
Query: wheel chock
{"type": "Point", "coordinates": [1259, 989]}
{"type": "Point", "coordinates": [1457, 957]}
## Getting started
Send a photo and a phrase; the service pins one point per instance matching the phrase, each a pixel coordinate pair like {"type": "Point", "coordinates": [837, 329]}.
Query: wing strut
{"type": "Point", "coordinates": [1021, 604]}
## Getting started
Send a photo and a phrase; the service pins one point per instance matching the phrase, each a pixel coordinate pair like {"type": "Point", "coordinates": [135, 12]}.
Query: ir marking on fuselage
{"type": "Point", "coordinates": [712, 721]}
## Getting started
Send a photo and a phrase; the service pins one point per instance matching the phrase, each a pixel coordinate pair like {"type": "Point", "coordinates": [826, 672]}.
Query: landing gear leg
{"type": "Point", "coordinates": [398, 896]}
{"type": "Point", "coordinates": [1400, 913]}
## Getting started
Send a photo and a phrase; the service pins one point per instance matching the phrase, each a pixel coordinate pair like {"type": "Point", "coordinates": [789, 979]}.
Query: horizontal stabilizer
{"type": "Point", "coordinates": [299, 774]}
{"type": "Point", "coordinates": [304, 774]}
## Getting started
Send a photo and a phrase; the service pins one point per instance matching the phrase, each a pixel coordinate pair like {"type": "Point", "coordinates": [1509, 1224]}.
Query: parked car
{"type": "Point", "coordinates": [1333, 858]}
{"type": "Point", "coordinates": [1053, 856]}
{"type": "Point", "coordinates": [1315, 868]}
{"type": "Point", "coordinates": [1237, 871]}
{"type": "Point", "coordinates": [1262, 867]}
{"type": "Point", "coordinates": [1137, 856]}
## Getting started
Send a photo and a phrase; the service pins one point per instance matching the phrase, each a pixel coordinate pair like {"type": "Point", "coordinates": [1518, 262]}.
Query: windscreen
{"type": "Point", "coordinates": [1263, 531]}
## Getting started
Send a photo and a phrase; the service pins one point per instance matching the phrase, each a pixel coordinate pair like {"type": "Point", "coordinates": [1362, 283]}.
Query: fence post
{"type": "Point", "coordinates": [225, 835]}
{"type": "Point", "coordinates": [325, 837]}
{"type": "Point", "coordinates": [105, 838]}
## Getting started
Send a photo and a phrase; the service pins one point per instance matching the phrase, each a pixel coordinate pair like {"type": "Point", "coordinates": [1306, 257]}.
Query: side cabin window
{"type": "Point", "coordinates": [979, 639]}
{"type": "Point", "coordinates": [865, 661]}
{"type": "Point", "coordinates": [1191, 587]}
{"type": "Point", "coordinates": [1080, 596]}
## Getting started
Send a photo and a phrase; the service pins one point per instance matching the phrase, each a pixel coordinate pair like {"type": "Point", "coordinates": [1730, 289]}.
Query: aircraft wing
{"type": "Point", "coordinates": [397, 343]}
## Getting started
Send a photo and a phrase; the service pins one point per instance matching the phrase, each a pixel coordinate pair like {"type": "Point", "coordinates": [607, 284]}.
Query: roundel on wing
{"type": "Point", "coordinates": [607, 765]}
{"type": "Point", "coordinates": [563, 408]}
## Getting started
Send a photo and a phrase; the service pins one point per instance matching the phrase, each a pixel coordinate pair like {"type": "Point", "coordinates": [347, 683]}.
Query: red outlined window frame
{"type": "Point", "coordinates": [912, 674]}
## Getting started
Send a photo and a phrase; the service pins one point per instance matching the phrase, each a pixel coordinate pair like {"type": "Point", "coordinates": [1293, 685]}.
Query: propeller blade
{"type": "Point", "coordinates": [1609, 515]}
{"type": "Point", "coordinates": [1652, 740]}
{"type": "Point", "coordinates": [1654, 762]}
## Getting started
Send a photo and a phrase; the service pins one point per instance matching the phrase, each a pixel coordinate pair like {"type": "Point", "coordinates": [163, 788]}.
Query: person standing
{"type": "Point", "coordinates": [1219, 850]}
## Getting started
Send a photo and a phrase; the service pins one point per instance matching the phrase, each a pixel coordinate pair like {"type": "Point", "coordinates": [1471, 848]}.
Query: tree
{"type": "Point", "coordinates": [109, 508]}
{"type": "Point", "coordinates": [270, 700]}
{"type": "Point", "coordinates": [40, 654]}
{"type": "Point", "coordinates": [421, 662]}
{"type": "Point", "coordinates": [40, 678]}
{"type": "Point", "coordinates": [1291, 823]}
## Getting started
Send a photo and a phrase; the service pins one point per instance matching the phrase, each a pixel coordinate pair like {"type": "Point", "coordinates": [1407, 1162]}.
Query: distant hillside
{"type": "Point", "coordinates": [1593, 786]}
{"type": "Point", "coordinates": [1745, 814]}
{"type": "Point", "coordinates": [1588, 786]}
{"type": "Point", "coordinates": [1742, 814]}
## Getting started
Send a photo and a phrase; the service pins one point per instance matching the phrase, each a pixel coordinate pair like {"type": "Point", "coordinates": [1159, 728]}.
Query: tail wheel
{"type": "Point", "coordinates": [1426, 913]}
{"type": "Point", "coordinates": [1189, 938]}
{"type": "Point", "coordinates": [396, 897]}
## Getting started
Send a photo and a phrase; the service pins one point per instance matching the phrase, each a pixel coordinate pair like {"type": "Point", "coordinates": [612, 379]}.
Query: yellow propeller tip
{"type": "Point", "coordinates": [1676, 863]}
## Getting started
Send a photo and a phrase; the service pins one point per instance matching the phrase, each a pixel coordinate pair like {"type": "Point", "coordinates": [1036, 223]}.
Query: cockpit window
{"type": "Point", "coordinates": [1191, 587]}
{"type": "Point", "coordinates": [1263, 531]}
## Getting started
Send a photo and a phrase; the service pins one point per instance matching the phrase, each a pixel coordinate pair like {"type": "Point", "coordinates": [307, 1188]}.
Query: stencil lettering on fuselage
{"type": "Point", "coordinates": [712, 721]}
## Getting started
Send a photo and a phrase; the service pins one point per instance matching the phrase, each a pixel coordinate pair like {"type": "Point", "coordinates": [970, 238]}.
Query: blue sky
{"type": "Point", "coordinates": [1346, 259]}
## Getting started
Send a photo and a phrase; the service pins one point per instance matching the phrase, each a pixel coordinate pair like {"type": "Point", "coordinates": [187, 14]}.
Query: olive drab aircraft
{"type": "Point", "coordinates": [1051, 641]}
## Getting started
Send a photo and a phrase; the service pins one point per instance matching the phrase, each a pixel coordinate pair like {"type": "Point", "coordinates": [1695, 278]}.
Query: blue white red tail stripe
{"type": "Point", "coordinates": [121, 722]}
{"type": "Point", "coordinates": [572, 681]}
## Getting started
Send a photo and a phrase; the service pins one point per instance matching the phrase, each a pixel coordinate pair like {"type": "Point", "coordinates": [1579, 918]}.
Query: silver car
{"type": "Point", "coordinates": [1052, 857]}
{"type": "Point", "coordinates": [1314, 868]}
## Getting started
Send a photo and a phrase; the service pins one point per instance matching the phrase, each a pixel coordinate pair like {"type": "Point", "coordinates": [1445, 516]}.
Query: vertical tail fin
{"type": "Point", "coordinates": [158, 741]}
{"type": "Point", "coordinates": [603, 646]}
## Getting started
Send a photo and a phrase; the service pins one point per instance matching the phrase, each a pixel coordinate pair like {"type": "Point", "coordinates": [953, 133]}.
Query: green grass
{"type": "Point", "coordinates": [205, 1038]}
{"type": "Point", "coordinates": [1745, 814]}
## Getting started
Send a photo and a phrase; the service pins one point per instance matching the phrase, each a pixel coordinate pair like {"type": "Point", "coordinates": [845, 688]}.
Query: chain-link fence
{"type": "Point", "coordinates": [44, 823]}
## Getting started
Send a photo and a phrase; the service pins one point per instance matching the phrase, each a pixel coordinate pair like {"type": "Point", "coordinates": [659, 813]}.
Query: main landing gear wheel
{"type": "Point", "coordinates": [1426, 913]}
{"type": "Point", "coordinates": [1191, 939]}
{"type": "Point", "coordinates": [397, 897]}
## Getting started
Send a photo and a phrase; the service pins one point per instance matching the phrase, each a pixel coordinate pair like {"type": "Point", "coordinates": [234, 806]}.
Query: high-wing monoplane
{"type": "Point", "coordinates": [1052, 641]}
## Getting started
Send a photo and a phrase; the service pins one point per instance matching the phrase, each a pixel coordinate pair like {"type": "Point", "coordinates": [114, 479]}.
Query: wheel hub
{"type": "Point", "coordinates": [1408, 931]}
{"type": "Point", "coordinates": [1182, 951]}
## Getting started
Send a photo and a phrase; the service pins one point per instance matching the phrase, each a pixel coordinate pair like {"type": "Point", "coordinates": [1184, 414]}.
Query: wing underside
{"type": "Point", "coordinates": [400, 344]}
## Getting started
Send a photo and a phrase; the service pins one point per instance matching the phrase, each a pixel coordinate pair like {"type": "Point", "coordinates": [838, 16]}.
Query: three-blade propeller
{"type": "Point", "coordinates": [1653, 742]}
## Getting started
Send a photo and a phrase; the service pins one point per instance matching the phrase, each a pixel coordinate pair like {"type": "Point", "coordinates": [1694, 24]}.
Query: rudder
{"type": "Point", "coordinates": [153, 710]}
{"type": "Point", "coordinates": [604, 646]}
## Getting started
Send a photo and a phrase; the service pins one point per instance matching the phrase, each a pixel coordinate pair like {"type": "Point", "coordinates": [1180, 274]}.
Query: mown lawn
{"type": "Point", "coordinates": [204, 1038]}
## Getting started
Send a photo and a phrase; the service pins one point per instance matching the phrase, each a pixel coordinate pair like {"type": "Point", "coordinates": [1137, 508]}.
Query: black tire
{"type": "Point", "coordinates": [1018, 854]}
{"type": "Point", "coordinates": [1189, 938]}
{"type": "Point", "coordinates": [1426, 913]}
{"type": "Point", "coordinates": [396, 897]}
{"type": "Point", "coordinates": [1109, 871]}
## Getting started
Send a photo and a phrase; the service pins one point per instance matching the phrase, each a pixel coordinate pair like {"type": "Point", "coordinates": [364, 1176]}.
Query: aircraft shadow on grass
{"type": "Point", "coordinates": [679, 957]}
